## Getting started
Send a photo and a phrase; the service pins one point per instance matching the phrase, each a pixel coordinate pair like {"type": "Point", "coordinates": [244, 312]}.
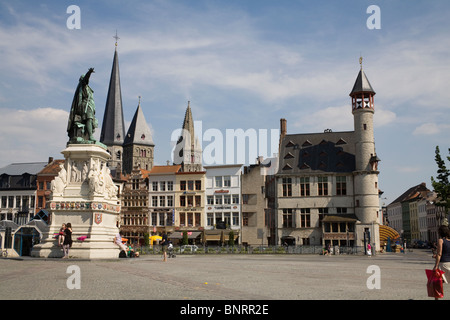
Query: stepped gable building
{"type": "Point", "coordinates": [138, 145]}
{"type": "Point", "coordinates": [327, 183]}
{"type": "Point", "coordinates": [113, 127]}
{"type": "Point", "coordinates": [134, 216]}
{"type": "Point", "coordinates": [188, 150]}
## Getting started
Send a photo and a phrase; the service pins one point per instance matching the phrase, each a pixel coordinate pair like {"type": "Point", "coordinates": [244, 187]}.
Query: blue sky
{"type": "Point", "coordinates": [242, 64]}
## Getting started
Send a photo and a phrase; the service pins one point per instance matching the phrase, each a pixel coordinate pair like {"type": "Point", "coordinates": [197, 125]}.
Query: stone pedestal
{"type": "Point", "coordinates": [83, 194]}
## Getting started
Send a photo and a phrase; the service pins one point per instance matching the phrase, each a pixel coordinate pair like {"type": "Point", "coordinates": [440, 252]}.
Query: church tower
{"type": "Point", "coordinates": [366, 172]}
{"type": "Point", "coordinates": [113, 127]}
{"type": "Point", "coordinates": [188, 150]}
{"type": "Point", "coordinates": [138, 146]}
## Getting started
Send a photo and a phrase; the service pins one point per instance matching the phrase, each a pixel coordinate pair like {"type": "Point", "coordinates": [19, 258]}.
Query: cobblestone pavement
{"type": "Point", "coordinates": [220, 277]}
{"type": "Point", "coordinates": [192, 283]}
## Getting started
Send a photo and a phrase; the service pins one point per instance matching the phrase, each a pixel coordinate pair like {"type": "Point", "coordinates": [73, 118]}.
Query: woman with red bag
{"type": "Point", "coordinates": [443, 252]}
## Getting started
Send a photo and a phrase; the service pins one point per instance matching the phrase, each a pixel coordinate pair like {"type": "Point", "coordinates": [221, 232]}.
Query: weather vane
{"type": "Point", "coordinates": [116, 37]}
{"type": "Point", "coordinates": [360, 61]}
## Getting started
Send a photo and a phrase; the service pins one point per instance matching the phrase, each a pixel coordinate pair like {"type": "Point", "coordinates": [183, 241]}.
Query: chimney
{"type": "Point", "coordinates": [50, 160]}
{"type": "Point", "coordinates": [283, 131]}
{"type": "Point", "coordinates": [283, 127]}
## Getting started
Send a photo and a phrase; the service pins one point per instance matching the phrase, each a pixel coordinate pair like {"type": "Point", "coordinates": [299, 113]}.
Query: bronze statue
{"type": "Point", "coordinates": [82, 121]}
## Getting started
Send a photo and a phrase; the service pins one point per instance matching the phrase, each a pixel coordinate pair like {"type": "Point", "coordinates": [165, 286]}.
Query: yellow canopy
{"type": "Point", "coordinates": [386, 231]}
{"type": "Point", "coordinates": [154, 238]}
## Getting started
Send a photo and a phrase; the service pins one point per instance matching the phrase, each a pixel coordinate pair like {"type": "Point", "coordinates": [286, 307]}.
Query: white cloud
{"type": "Point", "coordinates": [32, 135]}
{"type": "Point", "coordinates": [431, 128]}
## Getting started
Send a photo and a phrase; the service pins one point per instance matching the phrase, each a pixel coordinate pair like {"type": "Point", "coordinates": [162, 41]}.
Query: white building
{"type": "Point", "coordinates": [223, 193]}
{"type": "Point", "coordinates": [162, 186]}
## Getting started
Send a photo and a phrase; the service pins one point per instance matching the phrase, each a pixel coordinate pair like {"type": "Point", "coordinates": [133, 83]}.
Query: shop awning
{"type": "Point", "coordinates": [179, 235]}
{"type": "Point", "coordinates": [388, 232]}
{"type": "Point", "coordinates": [340, 218]}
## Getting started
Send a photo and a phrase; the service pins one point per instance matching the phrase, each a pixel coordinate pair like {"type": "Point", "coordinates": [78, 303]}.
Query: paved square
{"type": "Point", "coordinates": [221, 277]}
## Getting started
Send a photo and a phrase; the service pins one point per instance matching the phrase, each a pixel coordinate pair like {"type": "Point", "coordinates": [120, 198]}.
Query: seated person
{"type": "Point", "coordinates": [118, 241]}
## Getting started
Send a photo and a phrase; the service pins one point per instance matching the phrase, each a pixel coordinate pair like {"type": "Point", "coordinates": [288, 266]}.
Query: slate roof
{"type": "Point", "coordinates": [17, 169]}
{"type": "Point", "coordinates": [411, 193]}
{"type": "Point", "coordinates": [317, 152]}
{"type": "Point", "coordinates": [139, 132]}
{"type": "Point", "coordinates": [113, 127]}
{"type": "Point", "coordinates": [362, 84]}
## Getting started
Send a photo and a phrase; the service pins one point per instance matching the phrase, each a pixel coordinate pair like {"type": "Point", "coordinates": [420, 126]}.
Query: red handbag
{"type": "Point", "coordinates": [434, 284]}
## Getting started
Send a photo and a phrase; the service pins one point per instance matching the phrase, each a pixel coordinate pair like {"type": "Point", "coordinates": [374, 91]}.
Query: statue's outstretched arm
{"type": "Point", "coordinates": [88, 74]}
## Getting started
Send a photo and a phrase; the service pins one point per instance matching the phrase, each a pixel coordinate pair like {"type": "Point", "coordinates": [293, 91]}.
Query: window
{"type": "Point", "coordinates": [210, 199]}
{"type": "Point", "coordinates": [235, 218]}
{"type": "Point", "coordinates": [341, 186]}
{"type": "Point", "coordinates": [287, 187]}
{"type": "Point", "coordinates": [198, 201]}
{"type": "Point", "coordinates": [304, 186]}
{"type": "Point", "coordinates": [169, 185]}
{"type": "Point", "coordinates": [182, 219]}
{"type": "Point", "coordinates": [190, 185]}
{"type": "Point", "coordinates": [323, 186]}
{"type": "Point", "coordinates": [182, 201]}
{"type": "Point", "coordinates": [305, 218]}
{"type": "Point", "coordinates": [198, 185]}
{"type": "Point", "coordinates": [218, 182]}
{"type": "Point", "coordinates": [162, 201]}
{"type": "Point", "coordinates": [170, 201]}
{"type": "Point", "coordinates": [162, 186]}
{"type": "Point", "coordinates": [341, 210]}
{"type": "Point", "coordinates": [197, 219]}
{"type": "Point", "coordinates": [183, 185]}
{"type": "Point", "coordinates": [155, 185]}
{"type": "Point", "coordinates": [154, 201]}
{"type": "Point", "coordinates": [245, 219]}
{"type": "Point", "coordinates": [209, 219]}
{"type": "Point", "coordinates": [288, 220]}
{"type": "Point", "coordinates": [190, 201]}
{"type": "Point", "coordinates": [227, 181]}
{"type": "Point", "coordinates": [218, 199]}
{"type": "Point", "coordinates": [235, 198]}
{"type": "Point", "coordinates": [227, 199]}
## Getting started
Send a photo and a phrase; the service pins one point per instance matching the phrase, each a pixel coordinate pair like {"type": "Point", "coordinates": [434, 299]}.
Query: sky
{"type": "Point", "coordinates": [242, 64]}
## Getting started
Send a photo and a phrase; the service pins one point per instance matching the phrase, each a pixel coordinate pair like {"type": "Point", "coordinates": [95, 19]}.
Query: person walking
{"type": "Point", "coordinates": [67, 240]}
{"type": "Point", "coordinates": [442, 257]}
{"type": "Point", "coordinates": [164, 243]}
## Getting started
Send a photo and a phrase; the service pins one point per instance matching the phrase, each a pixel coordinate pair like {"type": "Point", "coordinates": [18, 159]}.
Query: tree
{"type": "Point", "coordinates": [441, 183]}
{"type": "Point", "coordinates": [185, 240]}
{"type": "Point", "coordinates": [231, 239]}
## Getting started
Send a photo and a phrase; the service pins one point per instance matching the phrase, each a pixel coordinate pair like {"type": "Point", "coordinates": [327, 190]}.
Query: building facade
{"type": "Point", "coordinates": [327, 183]}
{"type": "Point", "coordinates": [223, 206]}
{"type": "Point", "coordinates": [43, 182]}
{"type": "Point", "coordinates": [18, 191]}
{"type": "Point", "coordinates": [190, 204]}
{"type": "Point", "coordinates": [134, 215]}
{"type": "Point", "coordinates": [162, 186]}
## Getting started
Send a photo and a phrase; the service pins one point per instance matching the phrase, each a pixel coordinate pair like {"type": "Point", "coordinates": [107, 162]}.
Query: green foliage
{"type": "Point", "coordinates": [184, 241]}
{"type": "Point", "coordinates": [231, 239]}
{"type": "Point", "coordinates": [441, 183]}
{"type": "Point", "coordinates": [146, 239]}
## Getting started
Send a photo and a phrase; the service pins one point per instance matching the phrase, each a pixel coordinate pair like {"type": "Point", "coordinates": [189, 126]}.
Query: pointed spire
{"type": "Point", "coordinates": [139, 132]}
{"type": "Point", "coordinates": [362, 84]}
{"type": "Point", "coordinates": [113, 127]}
{"type": "Point", "coordinates": [188, 123]}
